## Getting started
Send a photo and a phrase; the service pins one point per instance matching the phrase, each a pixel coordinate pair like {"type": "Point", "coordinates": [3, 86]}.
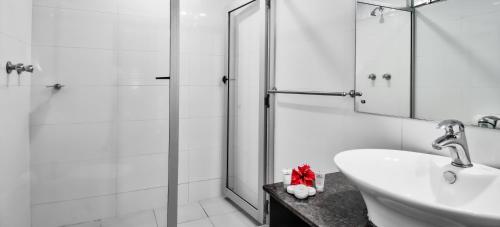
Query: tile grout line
{"type": "Point", "coordinates": [204, 211]}
{"type": "Point", "coordinates": [156, 218]}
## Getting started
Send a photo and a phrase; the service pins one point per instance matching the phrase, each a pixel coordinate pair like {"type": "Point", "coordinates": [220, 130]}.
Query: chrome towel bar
{"type": "Point", "coordinates": [351, 93]}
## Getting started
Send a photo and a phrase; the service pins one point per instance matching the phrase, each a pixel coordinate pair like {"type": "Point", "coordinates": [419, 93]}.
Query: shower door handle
{"type": "Point", "coordinates": [163, 78]}
{"type": "Point", "coordinates": [225, 79]}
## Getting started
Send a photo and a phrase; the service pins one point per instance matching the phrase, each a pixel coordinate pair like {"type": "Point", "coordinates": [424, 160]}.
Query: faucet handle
{"type": "Point", "coordinates": [448, 125]}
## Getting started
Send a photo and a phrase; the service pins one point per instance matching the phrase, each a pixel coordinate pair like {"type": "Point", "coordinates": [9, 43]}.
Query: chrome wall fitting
{"type": "Point", "coordinates": [19, 68]}
{"type": "Point", "coordinates": [372, 76]}
{"type": "Point", "coordinates": [354, 93]}
{"type": "Point", "coordinates": [387, 76]}
{"type": "Point", "coordinates": [28, 68]}
{"type": "Point", "coordinates": [489, 122]}
{"type": "Point", "coordinates": [11, 67]}
{"type": "Point", "coordinates": [56, 86]}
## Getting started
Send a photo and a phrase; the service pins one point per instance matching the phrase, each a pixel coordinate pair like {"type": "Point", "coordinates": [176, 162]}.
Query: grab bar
{"type": "Point", "coordinates": [351, 93]}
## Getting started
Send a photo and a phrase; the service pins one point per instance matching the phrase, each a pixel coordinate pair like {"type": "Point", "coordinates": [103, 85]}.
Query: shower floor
{"type": "Point", "coordinates": [216, 212]}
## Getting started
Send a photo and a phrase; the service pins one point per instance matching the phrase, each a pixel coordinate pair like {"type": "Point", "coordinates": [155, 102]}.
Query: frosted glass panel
{"type": "Point", "coordinates": [243, 154]}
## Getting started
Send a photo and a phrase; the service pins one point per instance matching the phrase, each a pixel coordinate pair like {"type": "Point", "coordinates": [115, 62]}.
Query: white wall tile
{"type": "Point", "coordinates": [184, 163]}
{"type": "Point", "coordinates": [201, 133]}
{"type": "Point", "coordinates": [206, 69]}
{"type": "Point", "coordinates": [109, 6]}
{"type": "Point", "coordinates": [204, 190]}
{"type": "Point", "coordinates": [206, 101]}
{"type": "Point", "coordinates": [142, 67]}
{"type": "Point", "coordinates": [143, 102]}
{"type": "Point", "coordinates": [205, 164]}
{"type": "Point", "coordinates": [53, 143]}
{"type": "Point", "coordinates": [74, 66]}
{"type": "Point", "coordinates": [158, 8]}
{"type": "Point", "coordinates": [73, 28]}
{"type": "Point", "coordinates": [73, 104]}
{"type": "Point", "coordinates": [18, 12]}
{"type": "Point", "coordinates": [482, 147]}
{"type": "Point", "coordinates": [141, 33]}
{"type": "Point", "coordinates": [143, 137]}
{"type": "Point", "coordinates": [14, 158]}
{"type": "Point", "coordinates": [72, 180]}
{"type": "Point", "coordinates": [140, 172]}
{"type": "Point", "coordinates": [183, 194]}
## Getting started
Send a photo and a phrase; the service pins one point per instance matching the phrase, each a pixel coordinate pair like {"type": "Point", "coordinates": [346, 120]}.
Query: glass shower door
{"type": "Point", "coordinates": [246, 108]}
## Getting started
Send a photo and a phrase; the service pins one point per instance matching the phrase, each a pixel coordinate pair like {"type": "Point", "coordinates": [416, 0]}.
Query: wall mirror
{"type": "Point", "coordinates": [429, 60]}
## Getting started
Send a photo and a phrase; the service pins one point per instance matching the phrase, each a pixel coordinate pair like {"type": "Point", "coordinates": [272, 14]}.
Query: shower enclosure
{"type": "Point", "coordinates": [104, 104]}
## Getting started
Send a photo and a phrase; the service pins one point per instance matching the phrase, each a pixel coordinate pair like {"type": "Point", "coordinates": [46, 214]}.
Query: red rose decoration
{"type": "Point", "coordinates": [303, 175]}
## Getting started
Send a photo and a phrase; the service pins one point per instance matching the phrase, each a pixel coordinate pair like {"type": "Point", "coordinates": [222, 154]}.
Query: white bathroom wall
{"type": "Point", "coordinates": [315, 50]}
{"type": "Point", "coordinates": [100, 144]}
{"type": "Point", "coordinates": [202, 111]}
{"type": "Point", "coordinates": [15, 46]}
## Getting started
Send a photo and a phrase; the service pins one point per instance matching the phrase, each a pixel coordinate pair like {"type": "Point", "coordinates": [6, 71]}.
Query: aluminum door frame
{"type": "Point", "coordinates": [258, 213]}
{"type": "Point", "coordinates": [173, 154]}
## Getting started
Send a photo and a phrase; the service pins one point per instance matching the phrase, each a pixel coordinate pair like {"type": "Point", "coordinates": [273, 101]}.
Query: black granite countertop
{"type": "Point", "coordinates": [341, 204]}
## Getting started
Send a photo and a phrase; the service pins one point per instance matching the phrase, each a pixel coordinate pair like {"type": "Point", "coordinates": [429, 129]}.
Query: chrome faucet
{"type": "Point", "coordinates": [455, 141]}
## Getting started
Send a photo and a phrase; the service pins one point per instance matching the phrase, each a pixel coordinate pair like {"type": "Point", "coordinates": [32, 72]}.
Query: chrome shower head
{"type": "Point", "coordinates": [374, 11]}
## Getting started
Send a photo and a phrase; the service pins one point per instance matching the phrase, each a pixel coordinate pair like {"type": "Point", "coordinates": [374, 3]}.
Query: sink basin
{"type": "Point", "coordinates": [403, 188]}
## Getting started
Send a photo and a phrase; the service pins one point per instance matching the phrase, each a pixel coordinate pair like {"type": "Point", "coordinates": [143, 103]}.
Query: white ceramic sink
{"type": "Point", "coordinates": [404, 188]}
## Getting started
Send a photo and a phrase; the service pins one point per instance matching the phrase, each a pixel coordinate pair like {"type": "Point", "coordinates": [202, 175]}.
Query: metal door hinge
{"type": "Point", "coordinates": [266, 207]}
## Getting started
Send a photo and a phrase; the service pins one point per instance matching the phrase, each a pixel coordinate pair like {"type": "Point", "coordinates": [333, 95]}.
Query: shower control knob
{"type": "Point", "coordinates": [387, 76]}
{"type": "Point", "coordinates": [372, 76]}
{"type": "Point", "coordinates": [17, 67]}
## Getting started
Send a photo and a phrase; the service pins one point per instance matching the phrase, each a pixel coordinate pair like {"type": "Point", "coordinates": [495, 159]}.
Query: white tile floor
{"type": "Point", "coordinates": [217, 212]}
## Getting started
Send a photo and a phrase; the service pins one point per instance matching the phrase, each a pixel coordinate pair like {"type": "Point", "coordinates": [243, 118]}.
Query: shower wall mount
{"type": "Point", "coordinates": [19, 68]}
{"type": "Point", "coordinates": [56, 86]}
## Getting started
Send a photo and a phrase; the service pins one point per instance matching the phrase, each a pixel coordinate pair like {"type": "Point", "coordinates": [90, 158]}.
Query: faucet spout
{"type": "Point", "coordinates": [456, 142]}
{"type": "Point", "coordinates": [442, 141]}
